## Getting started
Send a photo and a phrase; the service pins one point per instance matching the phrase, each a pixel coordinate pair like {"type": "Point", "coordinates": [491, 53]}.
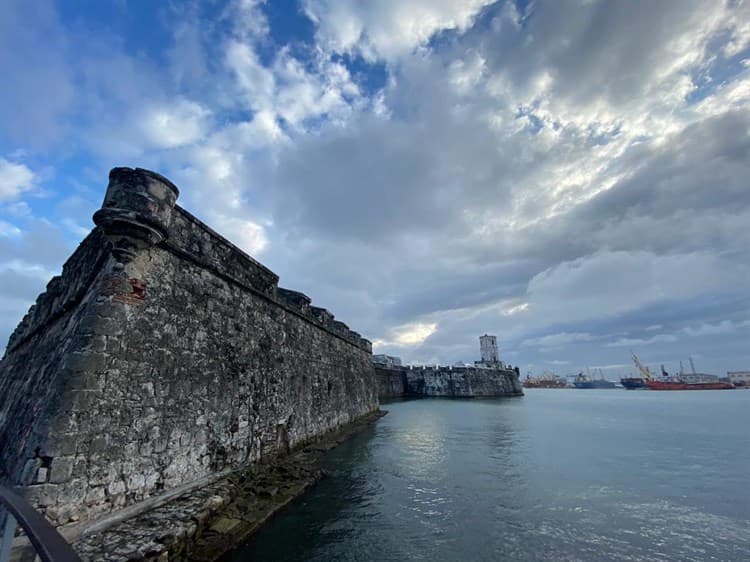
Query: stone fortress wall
{"type": "Point", "coordinates": [463, 382]}
{"type": "Point", "coordinates": [164, 356]}
{"type": "Point", "coordinates": [391, 381]}
{"type": "Point", "coordinates": [445, 381]}
{"type": "Point", "coordinates": [488, 377]}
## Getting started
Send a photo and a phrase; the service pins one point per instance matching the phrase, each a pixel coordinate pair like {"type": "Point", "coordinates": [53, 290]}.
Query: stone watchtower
{"type": "Point", "coordinates": [488, 350]}
{"type": "Point", "coordinates": [137, 211]}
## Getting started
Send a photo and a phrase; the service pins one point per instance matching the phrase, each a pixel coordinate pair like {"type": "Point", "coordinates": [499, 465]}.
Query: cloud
{"type": "Point", "coordinates": [8, 229]}
{"type": "Point", "coordinates": [249, 236]}
{"type": "Point", "coordinates": [558, 340]}
{"type": "Point", "coordinates": [34, 51]}
{"type": "Point", "coordinates": [613, 283]}
{"type": "Point", "coordinates": [30, 258]}
{"type": "Point", "coordinates": [632, 342]}
{"type": "Point", "coordinates": [14, 179]}
{"type": "Point", "coordinates": [388, 28]}
{"type": "Point", "coordinates": [723, 327]}
{"type": "Point", "coordinates": [249, 21]}
{"type": "Point", "coordinates": [180, 123]}
{"type": "Point", "coordinates": [290, 92]}
{"type": "Point", "coordinates": [410, 334]}
{"type": "Point", "coordinates": [256, 82]}
{"type": "Point", "coordinates": [561, 174]}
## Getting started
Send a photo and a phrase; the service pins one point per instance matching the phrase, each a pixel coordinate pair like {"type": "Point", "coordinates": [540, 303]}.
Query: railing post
{"type": "Point", "coordinates": [49, 545]}
{"type": "Point", "coordinates": [8, 534]}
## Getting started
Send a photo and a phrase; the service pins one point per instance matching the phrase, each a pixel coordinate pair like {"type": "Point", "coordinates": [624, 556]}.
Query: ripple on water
{"type": "Point", "coordinates": [554, 476]}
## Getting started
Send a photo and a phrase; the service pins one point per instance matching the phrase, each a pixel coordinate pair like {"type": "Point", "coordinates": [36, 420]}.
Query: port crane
{"type": "Point", "coordinates": [645, 372]}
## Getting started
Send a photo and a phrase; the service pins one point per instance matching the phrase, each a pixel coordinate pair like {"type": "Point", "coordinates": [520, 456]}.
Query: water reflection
{"type": "Point", "coordinates": [560, 475]}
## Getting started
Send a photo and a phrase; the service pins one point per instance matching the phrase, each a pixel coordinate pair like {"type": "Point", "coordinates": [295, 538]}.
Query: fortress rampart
{"type": "Point", "coordinates": [163, 356]}
{"type": "Point", "coordinates": [444, 381]}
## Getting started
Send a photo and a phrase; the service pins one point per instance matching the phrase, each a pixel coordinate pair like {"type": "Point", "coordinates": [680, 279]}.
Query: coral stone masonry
{"type": "Point", "coordinates": [488, 378]}
{"type": "Point", "coordinates": [163, 356]}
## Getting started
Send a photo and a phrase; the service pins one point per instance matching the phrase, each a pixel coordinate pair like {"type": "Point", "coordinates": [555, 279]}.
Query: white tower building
{"type": "Point", "coordinates": [488, 350]}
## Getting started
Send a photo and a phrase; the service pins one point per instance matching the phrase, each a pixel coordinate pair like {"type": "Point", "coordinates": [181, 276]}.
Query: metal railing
{"type": "Point", "coordinates": [50, 546]}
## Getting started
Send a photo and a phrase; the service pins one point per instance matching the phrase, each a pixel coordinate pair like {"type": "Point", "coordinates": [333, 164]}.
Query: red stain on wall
{"type": "Point", "coordinates": [122, 289]}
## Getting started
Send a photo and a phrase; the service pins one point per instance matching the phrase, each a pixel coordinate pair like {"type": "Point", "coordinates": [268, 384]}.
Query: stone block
{"type": "Point", "coordinates": [85, 400]}
{"type": "Point", "coordinates": [136, 481]}
{"type": "Point", "coordinates": [225, 525]}
{"type": "Point", "coordinates": [42, 475]}
{"type": "Point", "coordinates": [160, 445]}
{"type": "Point", "coordinates": [151, 480]}
{"type": "Point", "coordinates": [100, 444]}
{"type": "Point", "coordinates": [95, 495]}
{"type": "Point", "coordinates": [62, 469]}
{"type": "Point", "coordinates": [42, 495]}
{"type": "Point", "coordinates": [116, 487]}
{"type": "Point", "coordinates": [64, 444]}
{"type": "Point", "coordinates": [73, 492]}
{"type": "Point", "coordinates": [148, 389]}
{"type": "Point", "coordinates": [86, 361]}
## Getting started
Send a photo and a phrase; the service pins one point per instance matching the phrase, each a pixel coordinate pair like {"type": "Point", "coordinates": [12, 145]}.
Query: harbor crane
{"type": "Point", "coordinates": [645, 372]}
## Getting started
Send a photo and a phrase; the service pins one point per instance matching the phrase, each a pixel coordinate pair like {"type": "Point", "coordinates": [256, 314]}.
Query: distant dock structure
{"type": "Point", "coordinates": [487, 377]}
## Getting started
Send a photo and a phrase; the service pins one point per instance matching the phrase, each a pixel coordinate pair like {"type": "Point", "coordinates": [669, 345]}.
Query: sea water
{"type": "Point", "coordinates": [555, 475]}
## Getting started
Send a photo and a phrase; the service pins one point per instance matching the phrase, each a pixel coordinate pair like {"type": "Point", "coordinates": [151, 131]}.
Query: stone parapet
{"type": "Point", "coordinates": [322, 316]}
{"type": "Point", "coordinates": [298, 300]}
{"type": "Point", "coordinates": [192, 240]}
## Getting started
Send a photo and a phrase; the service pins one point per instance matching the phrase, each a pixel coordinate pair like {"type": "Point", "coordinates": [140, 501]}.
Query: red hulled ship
{"type": "Point", "coordinates": [680, 385]}
{"type": "Point", "coordinates": [682, 381]}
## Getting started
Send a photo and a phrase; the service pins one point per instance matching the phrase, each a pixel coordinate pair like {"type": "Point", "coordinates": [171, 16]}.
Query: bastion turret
{"type": "Point", "coordinates": [137, 210]}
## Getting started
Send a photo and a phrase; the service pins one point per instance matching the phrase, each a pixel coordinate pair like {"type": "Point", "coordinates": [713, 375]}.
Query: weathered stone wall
{"type": "Point", "coordinates": [391, 381]}
{"type": "Point", "coordinates": [40, 349]}
{"type": "Point", "coordinates": [455, 382]}
{"type": "Point", "coordinates": [168, 360]}
{"type": "Point", "coordinates": [462, 382]}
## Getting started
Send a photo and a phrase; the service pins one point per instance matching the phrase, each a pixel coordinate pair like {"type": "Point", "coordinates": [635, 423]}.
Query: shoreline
{"type": "Point", "coordinates": [207, 524]}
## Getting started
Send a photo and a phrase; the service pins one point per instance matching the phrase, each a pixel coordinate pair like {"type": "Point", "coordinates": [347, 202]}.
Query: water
{"type": "Point", "coordinates": [555, 475]}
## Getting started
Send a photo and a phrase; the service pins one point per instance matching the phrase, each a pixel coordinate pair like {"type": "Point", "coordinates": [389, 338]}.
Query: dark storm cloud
{"type": "Point", "coordinates": [384, 179]}
{"type": "Point", "coordinates": [705, 168]}
{"type": "Point", "coordinates": [461, 289]}
{"type": "Point", "coordinates": [690, 193]}
{"type": "Point", "coordinates": [600, 49]}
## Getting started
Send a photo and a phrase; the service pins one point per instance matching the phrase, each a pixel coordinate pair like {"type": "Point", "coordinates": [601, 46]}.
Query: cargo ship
{"type": "Point", "coordinates": [582, 381]}
{"type": "Point", "coordinates": [547, 380]}
{"type": "Point", "coordinates": [682, 381]}
{"type": "Point", "coordinates": [676, 384]}
{"type": "Point", "coordinates": [633, 383]}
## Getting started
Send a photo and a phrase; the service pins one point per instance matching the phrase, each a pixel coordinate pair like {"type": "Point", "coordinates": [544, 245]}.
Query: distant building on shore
{"type": "Point", "coordinates": [739, 378]}
{"type": "Point", "coordinates": [698, 377]}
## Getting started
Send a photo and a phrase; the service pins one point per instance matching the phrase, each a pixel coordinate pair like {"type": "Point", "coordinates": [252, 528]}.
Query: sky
{"type": "Point", "coordinates": [572, 176]}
